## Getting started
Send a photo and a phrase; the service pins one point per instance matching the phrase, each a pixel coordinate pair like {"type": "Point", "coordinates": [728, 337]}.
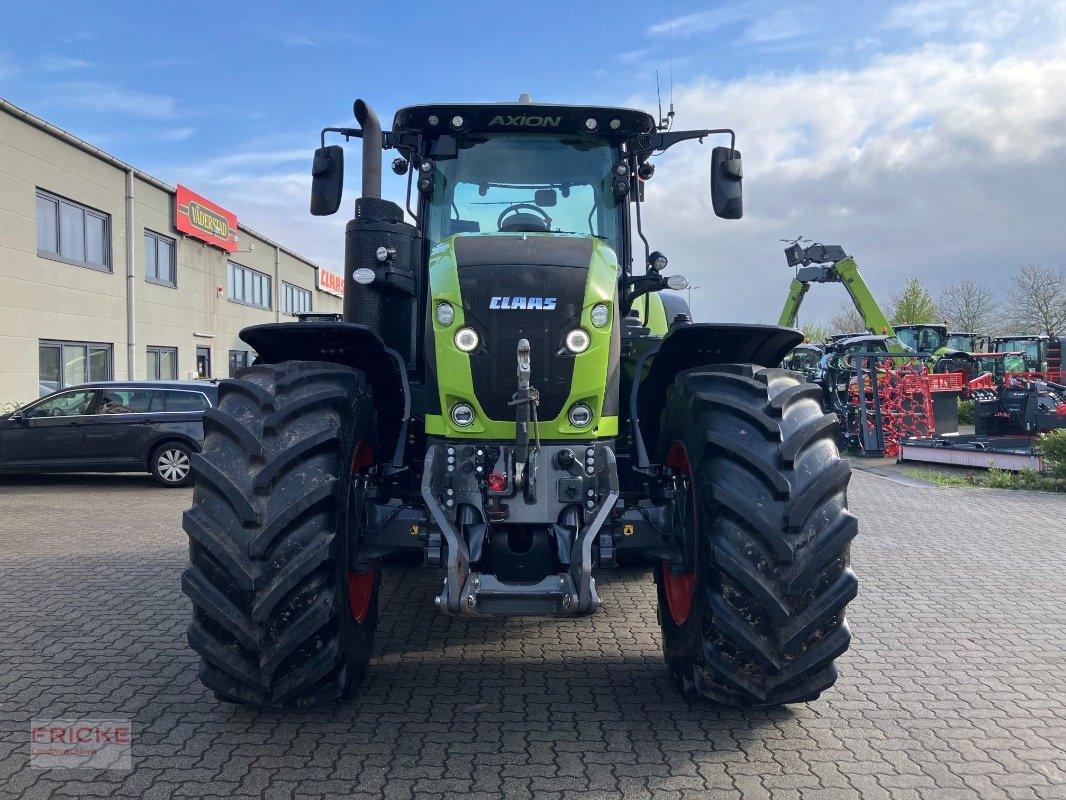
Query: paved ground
{"type": "Point", "coordinates": [954, 687]}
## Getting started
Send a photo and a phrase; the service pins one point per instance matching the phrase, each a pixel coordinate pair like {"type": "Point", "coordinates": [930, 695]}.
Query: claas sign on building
{"type": "Point", "coordinates": [200, 218]}
{"type": "Point", "coordinates": [330, 282]}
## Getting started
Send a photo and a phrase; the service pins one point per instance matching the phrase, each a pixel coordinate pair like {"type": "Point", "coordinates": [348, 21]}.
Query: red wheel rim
{"type": "Point", "coordinates": [363, 456]}
{"type": "Point", "coordinates": [361, 584]}
{"type": "Point", "coordinates": [360, 590]}
{"type": "Point", "coordinates": [679, 589]}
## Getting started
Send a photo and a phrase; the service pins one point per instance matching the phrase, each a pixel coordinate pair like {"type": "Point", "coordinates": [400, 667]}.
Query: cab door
{"type": "Point", "coordinates": [48, 435]}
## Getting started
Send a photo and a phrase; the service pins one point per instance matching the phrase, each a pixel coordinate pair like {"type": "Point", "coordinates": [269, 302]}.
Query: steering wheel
{"type": "Point", "coordinates": [537, 222]}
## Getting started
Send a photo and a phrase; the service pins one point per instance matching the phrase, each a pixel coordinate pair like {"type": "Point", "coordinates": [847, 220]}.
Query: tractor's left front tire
{"type": "Point", "coordinates": [757, 618]}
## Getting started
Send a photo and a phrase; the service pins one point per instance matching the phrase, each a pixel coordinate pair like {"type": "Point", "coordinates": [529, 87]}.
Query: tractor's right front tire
{"type": "Point", "coordinates": [757, 617]}
{"type": "Point", "coordinates": [278, 620]}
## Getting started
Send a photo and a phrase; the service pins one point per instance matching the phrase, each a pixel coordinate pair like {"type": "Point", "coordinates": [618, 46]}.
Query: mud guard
{"type": "Point", "coordinates": [696, 345]}
{"type": "Point", "coordinates": [354, 346]}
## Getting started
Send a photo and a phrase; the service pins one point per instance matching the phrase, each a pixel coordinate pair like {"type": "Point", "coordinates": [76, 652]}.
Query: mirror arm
{"type": "Point", "coordinates": [347, 133]}
{"type": "Point", "coordinates": [663, 141]}
{"type": "Point", "coordinates": [637, 287]}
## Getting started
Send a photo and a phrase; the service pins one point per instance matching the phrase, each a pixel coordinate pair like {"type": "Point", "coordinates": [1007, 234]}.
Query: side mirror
{"type": "Point", "coordinates": [327, 180]}
{"type": "Point", "coordinates": [727, 172]}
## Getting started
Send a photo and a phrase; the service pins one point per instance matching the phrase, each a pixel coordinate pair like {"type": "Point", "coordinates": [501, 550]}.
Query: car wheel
{"type": "Point", "coordinates": [171, 464]}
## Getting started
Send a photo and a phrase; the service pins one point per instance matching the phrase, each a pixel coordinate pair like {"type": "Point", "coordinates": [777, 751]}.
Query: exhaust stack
{"type": "Point", "coordinates": [368, 121]}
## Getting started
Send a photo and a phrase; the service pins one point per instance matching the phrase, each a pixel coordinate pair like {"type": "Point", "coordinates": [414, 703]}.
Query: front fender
{"type": "Point", "coordinates": [697, 345]}
{"type": "Point", "coordinates": [352, 345]}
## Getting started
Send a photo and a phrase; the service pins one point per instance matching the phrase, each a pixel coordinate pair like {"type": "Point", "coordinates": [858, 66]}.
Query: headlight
{"type": "Point", "coordinates": [467, 340]}
{"type": "Point", "coordinates": [577, 341]}
{"type": "Point", "coordinates": [580, 415]}
{"type": "Point", "coordinates": [462, 414]}
{"type": "Point", "coordinates": [445, 314]}
{"type": "Point", "coordinates": [600, 314]}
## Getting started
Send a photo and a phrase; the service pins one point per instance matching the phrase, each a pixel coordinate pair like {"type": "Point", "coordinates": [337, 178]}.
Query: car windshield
{"type": "Point", "coordinates": [963, 342]}
{"type": "Point", "coordinates": [525, 183]}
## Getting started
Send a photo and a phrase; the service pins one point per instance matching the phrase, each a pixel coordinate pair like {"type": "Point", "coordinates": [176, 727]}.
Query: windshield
{"type": "Point", "coordinates": [962, 342]}
{"type": "Point", "coordinates": [526, 182]}
{"type": "Point", "coordinates": [921, 339]}
{"type": "Point", "coordinates": [1029, 347]}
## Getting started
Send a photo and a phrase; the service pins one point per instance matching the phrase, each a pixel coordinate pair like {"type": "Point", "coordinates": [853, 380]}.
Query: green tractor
{"type": "Point", "coordinates": [510, 401]}
{"type": "Point", "coordinates": [1040, 353]}
{"type": "Point", "coordinates": [934, 338]}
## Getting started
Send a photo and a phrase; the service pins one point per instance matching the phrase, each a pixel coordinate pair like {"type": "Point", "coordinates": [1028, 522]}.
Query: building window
{"type": "Point", "coordinates": [245, 285]}
{"type": "Point", "coordinates": [162, 363]}
{"type": "Point", "coordinates": [77, 234]}
{"type": "Point", "coordinates": [238, 359]}
{"type": "Point", "coordinates": [159, 266]}
{"type": "Point", "coordinates": [294, 300]}
{"type": "Point", "coordinates": [64, 364]}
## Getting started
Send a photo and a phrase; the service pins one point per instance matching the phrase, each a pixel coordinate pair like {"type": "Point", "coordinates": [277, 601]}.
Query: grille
{"type": "Point", "coordinates": [494, 371]}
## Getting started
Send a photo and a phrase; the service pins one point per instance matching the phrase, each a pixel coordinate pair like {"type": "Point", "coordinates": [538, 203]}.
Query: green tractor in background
{"type": "Point", "coordinates": [1039, 352]}
{"type": "Point", "coordinates": [935, 339]}
{"type": "Point", "coordinates": [511, 399]}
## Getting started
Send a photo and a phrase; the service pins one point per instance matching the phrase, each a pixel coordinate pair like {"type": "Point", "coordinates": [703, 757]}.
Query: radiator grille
{"type": "Point", "coordinates": [494, 371]}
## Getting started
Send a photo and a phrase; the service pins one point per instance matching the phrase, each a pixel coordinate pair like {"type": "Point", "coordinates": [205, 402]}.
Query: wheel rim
{"type": "Point", "coordinates": [360, 591]}
{"type": "Point", "coordinates": [361, 584]}
{"type": "Point", "coordinates": [680, 589]}
{"type": "Point", "coordinates": [173, 465]}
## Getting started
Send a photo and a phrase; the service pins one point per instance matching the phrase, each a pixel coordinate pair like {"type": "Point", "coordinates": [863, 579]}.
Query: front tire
{"type": "Point", "coordinates": [171, 464]}
{"type": "Point", "coordinates": [756, 618]}
{"type": "Point", "coordinates": [278, 620]}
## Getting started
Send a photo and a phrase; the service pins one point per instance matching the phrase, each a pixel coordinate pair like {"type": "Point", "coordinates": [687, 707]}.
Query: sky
{"type": "Point", "coordinates": [927, 137]}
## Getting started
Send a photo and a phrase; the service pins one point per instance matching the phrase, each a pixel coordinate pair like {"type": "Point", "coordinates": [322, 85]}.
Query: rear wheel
{"type": "Point", "coordinates": [756, 616]}
{"type": "Point", "coordinates": [278, 620]}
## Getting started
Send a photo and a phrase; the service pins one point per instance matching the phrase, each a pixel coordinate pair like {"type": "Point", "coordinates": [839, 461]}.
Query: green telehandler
{"type": "Point", "coordinates": [819, 263]}
{"type": "Point", "coordinates": [511, 399]}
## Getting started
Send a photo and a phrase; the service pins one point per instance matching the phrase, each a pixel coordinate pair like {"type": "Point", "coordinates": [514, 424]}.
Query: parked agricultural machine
{"type": "Point", "coordinates": [510, 398]}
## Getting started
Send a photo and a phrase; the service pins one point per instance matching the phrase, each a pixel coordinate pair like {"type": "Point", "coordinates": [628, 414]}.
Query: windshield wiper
{"type": "Point", "coordinates": [579, 233]}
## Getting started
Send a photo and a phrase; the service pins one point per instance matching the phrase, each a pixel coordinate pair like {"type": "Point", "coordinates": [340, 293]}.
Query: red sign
{"type": "Point", "coordinates": [199, 217]}
{"type": "Point", "coordinates": [330, 282]}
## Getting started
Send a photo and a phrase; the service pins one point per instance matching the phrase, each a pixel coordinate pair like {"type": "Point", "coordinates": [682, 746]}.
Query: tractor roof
{"type": "Point", "coordinates": [609, 122]}
{"type": "Point", "coordinates": [909, 325]}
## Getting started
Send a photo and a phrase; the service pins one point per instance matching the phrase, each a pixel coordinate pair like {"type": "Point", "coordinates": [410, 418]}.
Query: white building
{"type": "Point", "coordinates": [104, 274]}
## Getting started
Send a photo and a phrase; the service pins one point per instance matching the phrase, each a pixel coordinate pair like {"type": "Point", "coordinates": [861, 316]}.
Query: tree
{"type": "Point", "coordinates": [815, 332]}
{"type": "Point", "coordinates": [847, 319]}
{"type": "Point", "coordinates": [968, 306]}
{"type": "Point", "coordinates": [1037, 300]}
{"type": "Point", "coordinates": [913, 305]}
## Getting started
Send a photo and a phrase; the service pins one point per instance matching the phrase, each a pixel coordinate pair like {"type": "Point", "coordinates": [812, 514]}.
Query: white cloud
{"type": "Point", "coordinates": [701, 22]}
{"type": "Point", "coordinates": [778, 26]}
{"type": "Point", "coordinates": [112, 98]}
{"type": "Point", "coordinates": [53, 62]}
{"type": "Point", "coordinates": [177, 134]}
{"type": "Point", "coordinates": [941, 162]}
{"type": "Point", "coordinates": [980, 19]}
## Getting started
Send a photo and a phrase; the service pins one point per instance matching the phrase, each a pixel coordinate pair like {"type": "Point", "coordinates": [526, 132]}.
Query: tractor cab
{"type": "Point", "coordinates": [1041, 353]}
{"type": "Point", "coordinates": [924, 338]}
{"type": "Point", "coordinates": [966, 342]}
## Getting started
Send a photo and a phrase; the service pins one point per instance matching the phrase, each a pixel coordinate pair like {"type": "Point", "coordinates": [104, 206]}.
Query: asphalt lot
{"type": "Point", "coordinates": [954, 686]}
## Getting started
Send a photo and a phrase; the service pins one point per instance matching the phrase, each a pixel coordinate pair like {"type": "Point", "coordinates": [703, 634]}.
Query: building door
{"type": "Point", "coordinates": [203, 362]}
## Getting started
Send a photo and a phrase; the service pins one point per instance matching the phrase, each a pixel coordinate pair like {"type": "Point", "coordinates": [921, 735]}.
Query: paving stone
{"type": "Point", "coordinates": [952, 689]}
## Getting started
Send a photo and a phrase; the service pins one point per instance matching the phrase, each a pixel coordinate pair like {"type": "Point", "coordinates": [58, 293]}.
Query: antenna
{"type": "Point", "coordinates": [659, 97]}
{"type": "Point", "coordinates": [670, 40]}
